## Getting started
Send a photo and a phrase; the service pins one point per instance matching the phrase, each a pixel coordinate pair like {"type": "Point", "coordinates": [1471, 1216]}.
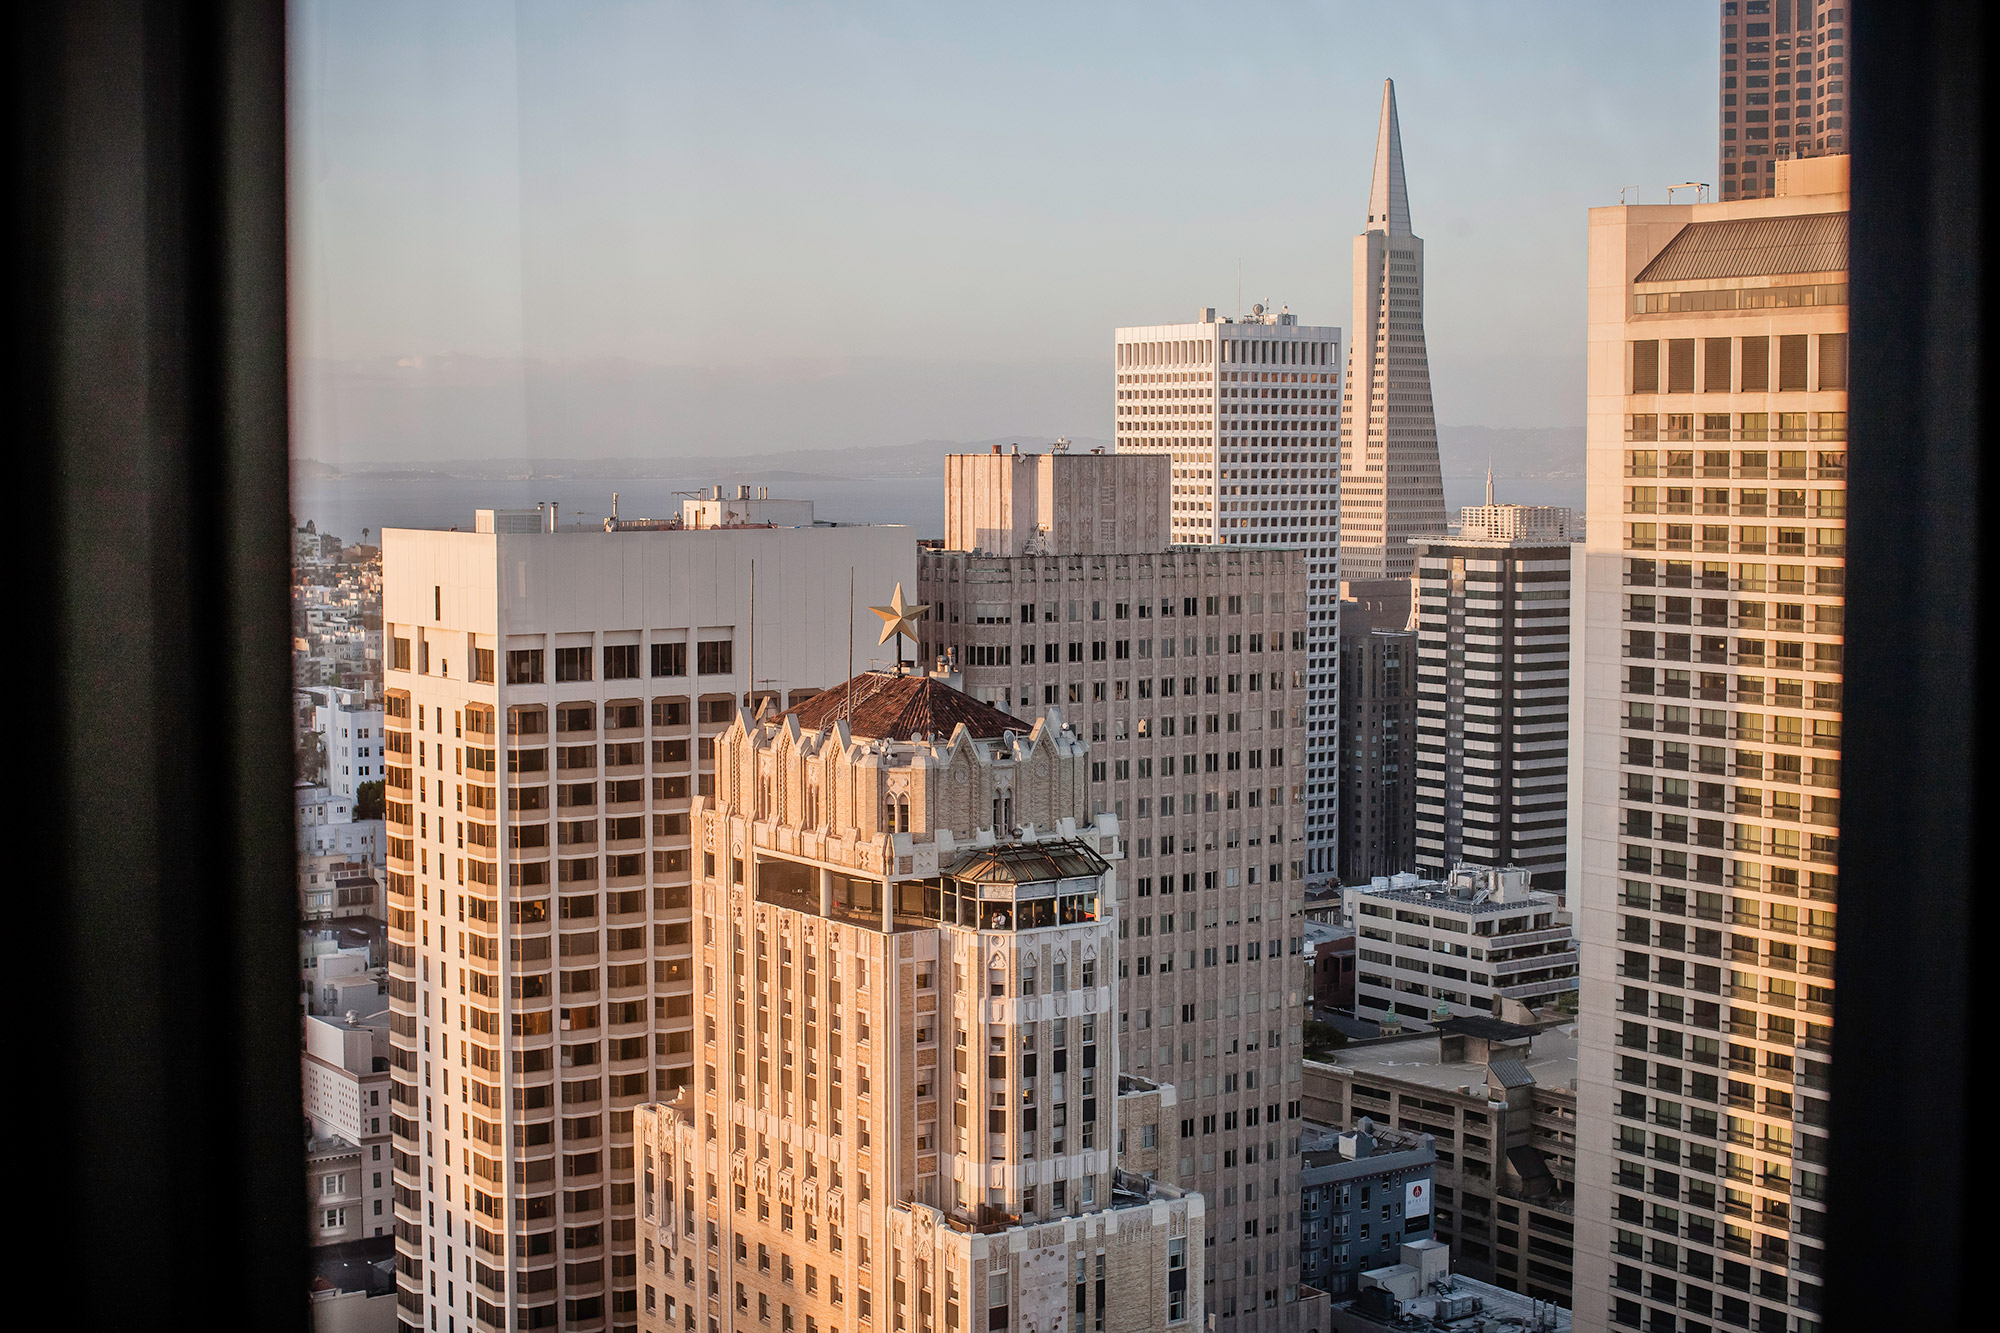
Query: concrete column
{"type": "Point", "coordinates": [825, 892]}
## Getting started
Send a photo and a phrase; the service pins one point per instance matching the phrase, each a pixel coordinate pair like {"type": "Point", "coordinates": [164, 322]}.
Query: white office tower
{"type": "Point", "coordinates": [551, 704]}
{"type": "Point", "coordinates": [1249, 411]}
{"type": "Point", "coordinates": [1391, 488]}
{"type": "Point", "coordinates": [1705, 806]}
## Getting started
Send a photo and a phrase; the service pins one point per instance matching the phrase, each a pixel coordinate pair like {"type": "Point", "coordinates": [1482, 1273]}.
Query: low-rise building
{"type": "Point", "coordinates": [326, 826]}
{"type": "Point", "coordinates": [1499, 1102]}
{"type": "Point", "coordinates": [1330, 964]}
{"type": "Point", "coordinates": [337, 886]}
{"type": "Point", "coordinates": [1364, 1193]}
{"type": "Point", "coordinates": [742, 510]}
{"type": "Point", "coordinates": [1422, 1292]}
{"type": "Point", "coordinates": [341, 979]}
{"type": "Point", "coordinates": [353, 1287]}
{"type": "Point", "coordinates": [1479, 942]}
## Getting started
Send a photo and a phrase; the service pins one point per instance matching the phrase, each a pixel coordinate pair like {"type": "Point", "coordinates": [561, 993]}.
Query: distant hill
{"type": "Point", "coordinates": [1542, 452]}
{"type": "Point", "coordinates": [924, 458]}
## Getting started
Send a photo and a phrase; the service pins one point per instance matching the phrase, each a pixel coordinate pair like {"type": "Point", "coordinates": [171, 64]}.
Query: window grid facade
{"type": "Point", "coordinates": [1708, 823]}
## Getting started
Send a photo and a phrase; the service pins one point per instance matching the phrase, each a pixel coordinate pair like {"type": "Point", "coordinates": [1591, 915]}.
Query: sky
{"type": "Point", "coordinates": [652, 228]}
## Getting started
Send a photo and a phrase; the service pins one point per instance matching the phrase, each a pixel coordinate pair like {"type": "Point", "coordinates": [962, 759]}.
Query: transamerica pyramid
{"type": "Point", "coordinates": [1391, 487]}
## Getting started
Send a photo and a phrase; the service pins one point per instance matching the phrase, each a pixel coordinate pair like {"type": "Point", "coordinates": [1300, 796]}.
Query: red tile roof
{"type": "Point", "coordinates": [885, 706]}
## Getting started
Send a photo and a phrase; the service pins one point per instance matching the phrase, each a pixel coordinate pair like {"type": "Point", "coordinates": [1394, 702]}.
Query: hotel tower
{"type": "Point", "coordinates": [1705, 801]}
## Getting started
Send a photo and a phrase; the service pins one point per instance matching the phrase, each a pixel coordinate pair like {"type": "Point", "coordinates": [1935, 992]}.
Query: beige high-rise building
{"type": "Point", "coordinates": [553, 701]}
{"type": "Point", "coordinates": [1184, 668]}
{"type": "Point", "coordinates": [1391, 485]}
{"type": "Point", "coordinates": [1705, 806]}
{"type": "Point", "coordinates": [1249, 411]}
{"type": "Point", "coordinates": [910, 1112]}
{"type": "Point", "coordinates": [1057, 503]}
{"type": "Point", "coordinates": [1783, 89]}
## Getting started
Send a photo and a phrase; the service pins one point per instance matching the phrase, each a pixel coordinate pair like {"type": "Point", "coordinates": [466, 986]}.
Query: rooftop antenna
{"type": "Point", "coordinates": [752, 654]}
{"type": "Point", "coordinates": [1239, 289]}
{"type": "Point", "coordinates": [847, 708]}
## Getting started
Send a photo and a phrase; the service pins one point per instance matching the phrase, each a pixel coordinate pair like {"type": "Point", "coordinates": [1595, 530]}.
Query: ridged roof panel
{"type": "Point", "coordinates": [886, 706]}
{"type": "Point", "coordinates": [1752, 248]}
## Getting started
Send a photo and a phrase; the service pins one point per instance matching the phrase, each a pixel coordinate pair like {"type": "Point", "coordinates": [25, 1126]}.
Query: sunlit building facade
{"type": "Point", "coordinates": [1705, 801]}
{"type": "Point", "coordinates": [552, 706]}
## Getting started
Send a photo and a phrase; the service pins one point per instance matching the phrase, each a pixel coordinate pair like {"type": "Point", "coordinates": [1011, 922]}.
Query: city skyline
{"type": "Point", "coordinates": [564, 221]}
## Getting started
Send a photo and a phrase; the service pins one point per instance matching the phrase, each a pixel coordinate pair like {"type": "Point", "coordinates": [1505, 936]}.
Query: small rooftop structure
{"type": "Point", "coordinates": [1422, 1293]}
{"type": "Point", "coordinates": [744, 510]}
{"type": "Point", "coordinates": [1469, 889]}
{"type": "Point", "coordinates": [1030, 863]}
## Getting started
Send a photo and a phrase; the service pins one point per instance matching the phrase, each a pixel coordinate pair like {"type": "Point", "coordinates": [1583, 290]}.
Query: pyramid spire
{"type": "Point", "coordinates": [1489, 483]}
{"type": "Point", "coordinates": [1388, 199]}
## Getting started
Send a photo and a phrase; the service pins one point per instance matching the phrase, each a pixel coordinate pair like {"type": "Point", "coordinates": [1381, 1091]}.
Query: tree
{"type": "Point", "coordinates": [1322, 1038]}
{"type": "Point", "coordinates": [368, 800]}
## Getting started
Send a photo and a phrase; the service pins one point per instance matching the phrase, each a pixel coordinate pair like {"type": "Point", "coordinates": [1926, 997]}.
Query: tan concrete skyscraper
{"type": "Point", "coordinates": [1783, 88]}
{"type": "Point", "coordinates": [1705, 793]}
{"type": "Point", "coordinates": [1391, 488]}
{"type": "Point", "coordinates": [1185, 668]}
{"type": "Point", "coordinates": [910, 1113]}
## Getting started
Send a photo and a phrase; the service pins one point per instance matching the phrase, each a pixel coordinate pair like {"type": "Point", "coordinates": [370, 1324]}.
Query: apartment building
{"type": "Point", "coordinates": [1378, 729]}
{"type": "Point", "coordinates": [909, 1112]}
{"type": "Point", "coordinates": [1705, 807]}
{"type": "Point", "coordinates": [1783, 89]}
{"type": "Point", "coordinates": [1184, 671]}
{"type": "Point", "coordinates": [1365, 1192]}
{"type": "Point", "coordinates": [336, 887]}
{"type": "Point", "coordinates": [552, 704]}
{"type": "Point", "coordinates": [325, 824]}
{"type": "Point", "coordinates": [345, 1070]}
{"type": "Point", "coordinates": [349, 724]}
{"type": "Point", "coordinates": [1493, 642]}
{"type": "Point", "coordinates": [336, 1209]}
{"type": "Point", "coordinates": [1248, 412]}
{"type": "Point", "coordinates": [1498, 1101]}
{"type": "Point", "coordinates": [1391, 484]}
{"type": "Point", "coordinates": [1479, 943]}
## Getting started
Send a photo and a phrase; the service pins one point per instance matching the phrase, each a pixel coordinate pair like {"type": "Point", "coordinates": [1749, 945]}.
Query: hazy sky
{"type": "Point", "coordinates": [713, 186]}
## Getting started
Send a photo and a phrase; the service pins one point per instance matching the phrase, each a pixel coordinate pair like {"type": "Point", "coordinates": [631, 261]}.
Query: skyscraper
{"type": "Point", "coordinates": [1378, 729]}
{"type": "Point", "coordinates": [1391, 488]}
{"type": "Point", "coordinates": [1783, 88]}
{"type": "Point", "coordinates": [1184, 667]}
{"type": "Point", "coordinates": [1249, 410]}
{"type": "Point", "coordinates": [910, 1112]}
{"type": "Point", "coordinates": [552, 703]}
{"type": "Point", "coordinates": [1493, 685]}
{"type": "Point", "coordinates": [1705, 808]}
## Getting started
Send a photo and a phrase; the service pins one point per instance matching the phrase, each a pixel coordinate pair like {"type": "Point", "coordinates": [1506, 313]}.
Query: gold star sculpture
{"type": "Point", "coordinates": [898, 621]}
